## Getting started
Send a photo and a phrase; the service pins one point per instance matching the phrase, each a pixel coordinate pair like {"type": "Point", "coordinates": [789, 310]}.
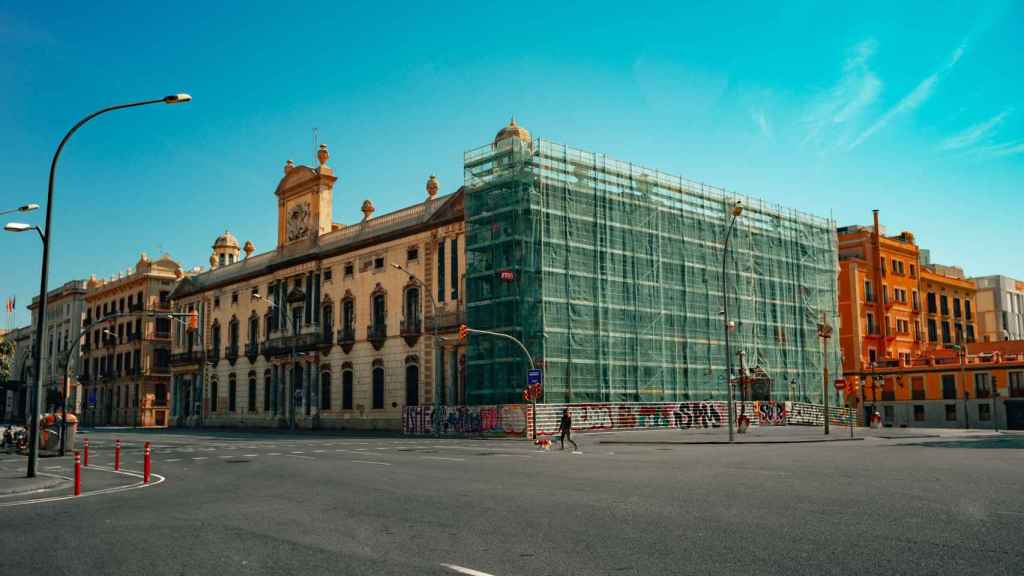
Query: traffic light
{"type": "Point", "coordinates": [463, 333]}
{"type": "Point", "coordinates": [193, 321]}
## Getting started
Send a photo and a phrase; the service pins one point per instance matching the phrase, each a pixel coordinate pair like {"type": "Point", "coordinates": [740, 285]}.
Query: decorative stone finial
{"type": "Point", "coordinates": [322, 155]}
{"type": "Point", "coordinates": [143, 257]}
{"type": "Point", "coordinates": [288, 166]}
{"type": "Point", "coordinates": [249, 248]}
{"type": "Point", "coordinates": [178, 273]}
{"type": "Point", "coordinates": [432, 186]}
{"type": "Point", "coordinates": [213, 261]}
{"type": "Point", "coordinates": [367, 210]}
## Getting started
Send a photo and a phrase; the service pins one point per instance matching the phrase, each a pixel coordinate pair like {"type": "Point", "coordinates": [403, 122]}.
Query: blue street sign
{"type": "Point", "coordinates": [92, 398]}
{"type": "Point", "coordinates": [534, 376]}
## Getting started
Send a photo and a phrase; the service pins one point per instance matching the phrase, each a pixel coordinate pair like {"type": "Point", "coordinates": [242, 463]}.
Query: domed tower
{"type": "Point", "coordinates": [226, 250]}
{"type": "Point", "coordinates": [512, 132]}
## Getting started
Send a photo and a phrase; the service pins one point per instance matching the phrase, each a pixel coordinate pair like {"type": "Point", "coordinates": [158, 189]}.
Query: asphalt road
{"type": "Point", "coordinates": [265, 503]}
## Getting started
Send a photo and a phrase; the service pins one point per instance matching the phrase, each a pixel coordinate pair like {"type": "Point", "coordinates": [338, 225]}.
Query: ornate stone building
{"type": "Point", "coordinates": [126, 351]}
{"type": "Point", "coordinates": [334, 326]}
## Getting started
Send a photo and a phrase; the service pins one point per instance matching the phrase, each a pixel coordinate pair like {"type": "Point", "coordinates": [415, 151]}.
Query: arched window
{"type": "Point", "coordinates": [325, 390]}
{"type": "Point", "coordinates": [254, 328]}
{"type": "Point", "coordinates": [252, 392]}
{"type": "Point", "coordinates": [232, 393]}
{"type": "Point", "coordinates": [379, 309]}
{"type": "Point", "coordinates": [348, 316]}
{"type": "Point", "coordinates": [412, 305]}
{"type": "Point", "coordinates": [213, 395]}
{"type": "Point", "coordinates": [378, 385]}
{"type": "Point", "coordinates": [412, 384]}
{"type": "Point", "coordinates": [215, 337]}
{"type": "Point", "coordinates": [266, 390]}
{"type": "Point", "coordinates": [233, 334]}
{"type": "Point", "coordinates": [327, 321]}
{"type": "Point", "coordinates": [346, 388]}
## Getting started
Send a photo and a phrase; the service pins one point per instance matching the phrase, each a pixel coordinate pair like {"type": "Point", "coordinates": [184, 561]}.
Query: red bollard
{"type": "Point", "coordinates": [145, 470]}
{"type": "Point", "coordinates": [78, 474]}
{"type": "Point", "coordinates": [117, 455]}
{"type": "Point", "coordinates": [85, 460]}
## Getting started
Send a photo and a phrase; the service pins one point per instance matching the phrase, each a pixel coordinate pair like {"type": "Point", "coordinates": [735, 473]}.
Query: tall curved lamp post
{"type": "Point", "coordinates": [735, 211]}
{"type": "Point", "coordinates": [47, 234]}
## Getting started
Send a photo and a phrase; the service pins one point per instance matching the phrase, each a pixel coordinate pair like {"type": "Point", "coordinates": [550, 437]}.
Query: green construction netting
{"type": "Point", "coordinates": [610, 273]}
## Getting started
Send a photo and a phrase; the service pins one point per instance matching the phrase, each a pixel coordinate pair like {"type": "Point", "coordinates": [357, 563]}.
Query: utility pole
{"type": "Point", "coordinates": [735, 211]}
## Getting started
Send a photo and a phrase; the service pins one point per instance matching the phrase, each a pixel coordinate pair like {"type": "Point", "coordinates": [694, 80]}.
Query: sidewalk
{"type": "Point", "coordinates": [783, 435]}
{"type": "Point", "coordinates": [13, 481]}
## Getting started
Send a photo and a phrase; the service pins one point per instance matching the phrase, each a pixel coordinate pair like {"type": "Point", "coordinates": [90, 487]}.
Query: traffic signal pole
{"type": "Point", "coordinates": [465, 331]}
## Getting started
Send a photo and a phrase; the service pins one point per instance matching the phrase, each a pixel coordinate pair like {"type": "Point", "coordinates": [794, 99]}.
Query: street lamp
{"type": "Point", "coordinates": [25, 208]}
{"type": "Point", "coordinates": [33, 448]}
{"type": "Point", "coordinates": [22, 227]}
{"type": "Point", "coordinates": [735, 211]}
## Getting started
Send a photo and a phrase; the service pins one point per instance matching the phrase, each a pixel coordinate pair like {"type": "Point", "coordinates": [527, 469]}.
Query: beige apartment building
{"type": "Point", "coordinates": [65, 311]}
{"type": "Point", "coordinates": [126, 351]}
{"type": "Point", "coordinates": [332, 327]}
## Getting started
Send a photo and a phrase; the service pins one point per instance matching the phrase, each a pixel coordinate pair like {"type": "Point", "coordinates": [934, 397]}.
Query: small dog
{"type": "Point", "coordinates": [544, 443]}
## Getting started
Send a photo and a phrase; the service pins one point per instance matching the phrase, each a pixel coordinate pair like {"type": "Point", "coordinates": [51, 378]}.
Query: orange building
{"type": "Point", "coordinates": [879, 298]}
{"type": "Point", "coordinates": [978, 386]}
{"type": "Point", "coordinates": [949, 314]}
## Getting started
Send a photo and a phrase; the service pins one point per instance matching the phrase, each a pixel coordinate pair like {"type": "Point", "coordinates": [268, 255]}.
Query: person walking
{"type": "Point", "coordinates": [566, 429]}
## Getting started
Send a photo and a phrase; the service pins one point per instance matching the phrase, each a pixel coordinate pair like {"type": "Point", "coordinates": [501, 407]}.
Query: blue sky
{"type": "Point", "coordinates": [912, 108]}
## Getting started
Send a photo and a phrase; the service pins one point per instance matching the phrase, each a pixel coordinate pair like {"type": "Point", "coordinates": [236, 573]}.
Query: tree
{"type": "Point", "coordinates": [6, 358]}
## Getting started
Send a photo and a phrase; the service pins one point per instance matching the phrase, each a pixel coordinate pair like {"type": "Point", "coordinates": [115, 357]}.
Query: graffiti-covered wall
{"type": "Point", "coordinates": [516, 419]}
{"type": "Point", "coordinates": [504, 420]}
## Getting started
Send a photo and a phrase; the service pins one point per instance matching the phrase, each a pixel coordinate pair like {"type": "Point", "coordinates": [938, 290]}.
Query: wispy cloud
{"type": "Point", "coordinates": [1005, 149]}
{"type": "Point", "coordinates": [762, 122]}
{"type": "Point", "coordinates": [974, 133]}
{"type": "Point", "coordinates": [856, 89]}
{"type": "Point", "coordinates": [919, 95]}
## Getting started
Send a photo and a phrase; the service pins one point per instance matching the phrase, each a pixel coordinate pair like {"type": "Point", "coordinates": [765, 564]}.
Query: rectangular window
{"type": "Point", "coordinates": [881, 261]}
{"type": "Point", "coordinates": [1016, 384]}
{"type": "Point", "coordinates": [871, 323]}
{"type": "Point", "coordinates": [931, 303]}
{"type": "Point", "coordinates": [917, 301]}
{"type": "Point", "coordinates": [945, 333]}
{"type": "Point", "coordinates": [378, 263]}
{"type": "Point", "coordinates": [213, 396]}
{"type": "Point", "coordinates": [984, 412]}
{"type": "Point", "coordinates": [956, 307]}
{"type": "Point", "coordinates": [327, 274]}
{"type": "Point", "coordinates": [950, 412]}
{"type": "Point", "coordinates": [913, 271]}
{"type": "Point", "coordinates": [933, 334]}
{"type": "Point", "coordinates": [918, 413]}
{"type": "Point", "coordinates": [251, 400]}
{"type": "Point", "coordinates": [440, 271]}
{"type": "Point", "coordinates": [455, 269]}
{"type": "Point", "coordinates": [967, 310]}
{"type": "Point", "coordinates": [378, 388]}
{"type": "Point", "coordinates": [983, 385]}
{"type": "Point", "coordinates": [412, 253]}
{"type": "Point", "coordinates": [872, 355]}
{"type": "Point", "coordinates": [917, 388]}
{"type": "Point", "coordinates": [349, 269]}
{"type": "Point", "coordinates": [970, 333]}
{"type": "Point", "coordinates": [944, 305]}
{"type": "Point", "coordinates": [216, 301]}
{"type": "Point", "coordinates": [234, 297]}
{"type": "Point", "coordinates": [346, 390]}
{"type": "Point", "coordinates": [232, 395]}
{"type": "Point", "coordinates": [949, 387]}
{"type": "Point", "coordinates": [869, 295]}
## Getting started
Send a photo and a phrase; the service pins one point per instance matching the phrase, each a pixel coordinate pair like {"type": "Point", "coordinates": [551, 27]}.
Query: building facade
{"type": "Point", "coordinates": [612, 276]}
{"type": "Point", "coordinates": [879, 296]}
{"type": "Point", "coordinates": [14, 395]}
{"type": "Point", "coordinates": [979, 386]}
{"type": "Point", "coordinates": [949, 310]}
{"type": "Point", "coordinates": [126, 351]}
{"type": "Point", "coordinates": [1000, 308]}
{"type": "Point", "coordinates": [65, 313]}
{"type": "Point", "coordinates": [332, 328]}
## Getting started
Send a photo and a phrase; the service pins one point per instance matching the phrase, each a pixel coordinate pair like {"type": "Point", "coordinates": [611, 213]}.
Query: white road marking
{"type": "Point", "coordinates": [140, 484]}
{"type": "Point", "coordinates": [464, 570]}
{"type": "Point", "coordinates": [274, 454]}
{"type": "Point", "coordinates": [298, 452]}
{"type": "Point", "coordinates": [173, 460]}
{"type": "Point", "coordinates": [300, 456]}
{"type": "Point", "coordinates": [226, 456]}
{"type": "Point", "coordinates": [318, 451]}
{"type": "Point", "coordinates": [372, 462]}
{"type": "Point", "coordinates": [443, 458]}
{"type": "Point", "coordinates": [201, 458]}
{"type": "Point", "coordinates": [249, 455]}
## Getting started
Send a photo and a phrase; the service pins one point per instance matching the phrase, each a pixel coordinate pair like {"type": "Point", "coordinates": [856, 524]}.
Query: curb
{"type": "Point", "coordinates": [54, 483]}
{"type": "Point", "coordinates": [724, 442]}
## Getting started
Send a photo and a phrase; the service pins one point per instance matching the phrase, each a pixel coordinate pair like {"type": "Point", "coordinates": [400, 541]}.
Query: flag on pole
{"type": "Point", "coordinates": [10, 305]}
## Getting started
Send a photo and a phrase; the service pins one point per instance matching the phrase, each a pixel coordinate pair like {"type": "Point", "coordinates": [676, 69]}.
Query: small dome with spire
{"type": "Point", "coordinates": [226, 240]}
{"type": "Point", "coordinates": [513, 130]}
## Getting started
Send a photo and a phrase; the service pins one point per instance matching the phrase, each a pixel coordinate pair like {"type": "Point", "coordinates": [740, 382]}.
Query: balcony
{"type": "Point", "coordinates": [162, 335]}
{"type": "Point", "coordinates": [411, 329]}
{"type": "Point", "coordinates": [284, 345]}
{"type": "Point", "coordinates": [186, 358]}
{"type": "Point", "coordinates": [85, 348]}
{"type": "Point", "coordinates": [213, 356]}
{"type": "Point", "coordinates": [377, 334]}
{"type": "Point", "coordinates": [136, 307]}
{"type": "Point", "coordinates": [164, 305]}
{"type": "Point", "coordinates": [252, 350]}
{"type": "Point", "coordinates": [449, 320]}
{"type": "Point", "coordinates": [347, 338]}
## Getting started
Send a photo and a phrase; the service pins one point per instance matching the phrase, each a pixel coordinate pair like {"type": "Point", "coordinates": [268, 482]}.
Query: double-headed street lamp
{"type": "Point", "coordinates": [47, 234]}
{"type": "Point", "coordinates": [735, 211]}
{"type": "Point", "coordinates": [23, 208]}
